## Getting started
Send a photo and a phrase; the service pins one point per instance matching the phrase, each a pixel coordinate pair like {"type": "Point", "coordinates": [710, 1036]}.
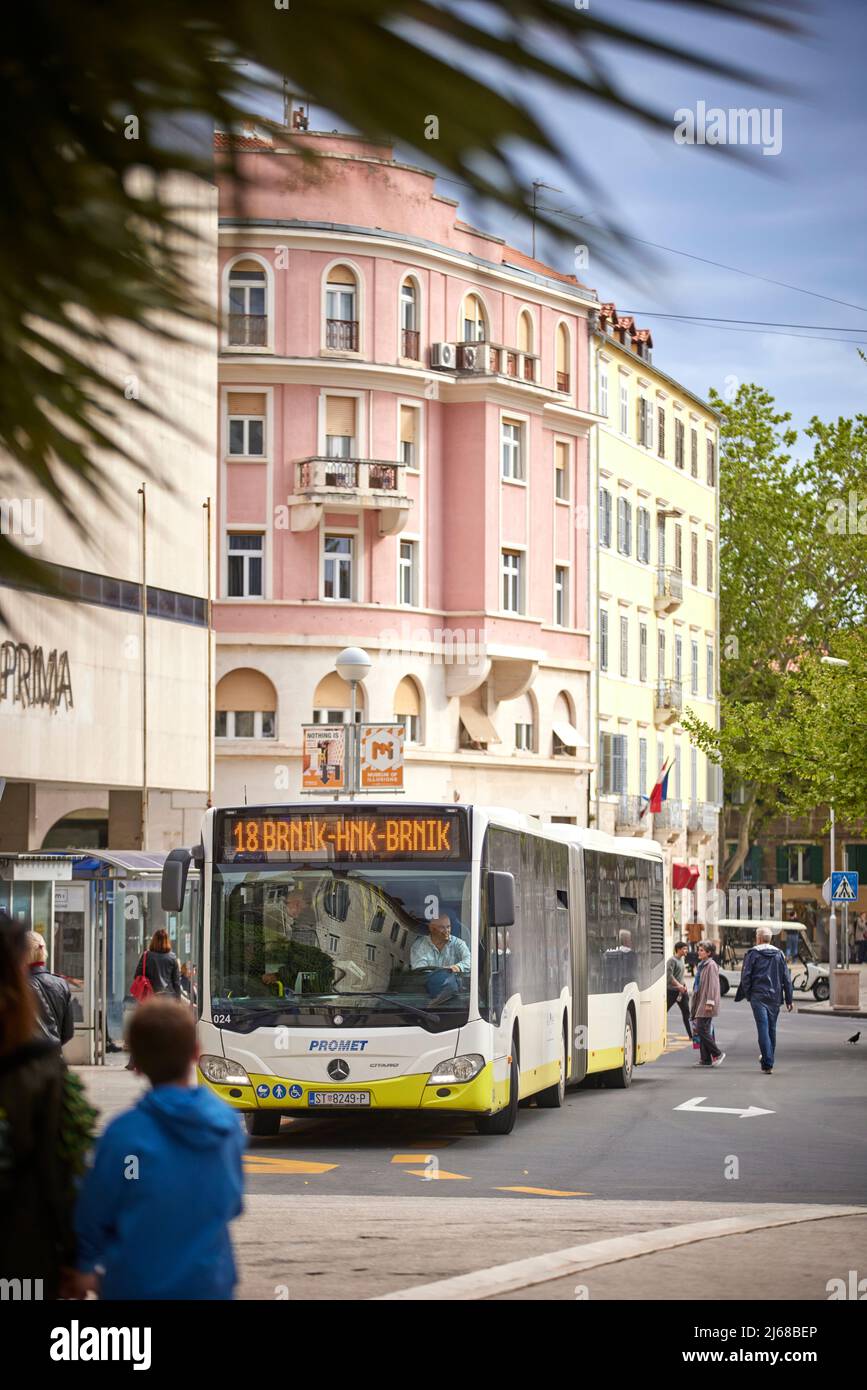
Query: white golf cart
{"type": "Point", "coordinates": [738, 936]}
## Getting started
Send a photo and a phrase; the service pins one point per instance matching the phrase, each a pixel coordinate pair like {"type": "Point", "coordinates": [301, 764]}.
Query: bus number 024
{"type": "Point", "coordinates": [217, 1019]}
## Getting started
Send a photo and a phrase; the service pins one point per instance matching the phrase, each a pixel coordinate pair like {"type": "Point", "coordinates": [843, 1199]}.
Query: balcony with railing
{"type": "Point", "coordinates": [669, 589]}
{"type": "Point", "coordinates": [701, 820]}
{"type": "Point", "coordinates": [668, 820]}
{"type": "Point", "coordinates": [667, 701]}
{"type": "Point", "coordinates": [410, 343]}
{"type": "Point", "coordinates": [341, 335]}
{"type": "Point", "coordinates": [350, 484]}
{"type": "Point", "coordinates": [628, 819]}
{"type": "Point", "coordinates": [490, 359]}
{"type": "Point", "coordinates": [247, 330]}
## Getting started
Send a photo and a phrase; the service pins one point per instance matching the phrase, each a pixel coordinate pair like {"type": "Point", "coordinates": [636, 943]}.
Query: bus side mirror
{"type": "Point", "coordinates": [501, 898]}
{"type": "Point", "coordinates": [174, 881]}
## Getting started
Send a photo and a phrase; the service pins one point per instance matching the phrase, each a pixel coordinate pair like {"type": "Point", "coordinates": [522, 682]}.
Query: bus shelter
{"type": "Point", "coordinates": [97, 910]}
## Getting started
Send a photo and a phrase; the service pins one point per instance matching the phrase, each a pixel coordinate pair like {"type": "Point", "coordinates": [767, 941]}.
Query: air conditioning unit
{"type": "Point", "coordinates": [476, 357]}
{"type": "Point", "coordinates": [443, 355]}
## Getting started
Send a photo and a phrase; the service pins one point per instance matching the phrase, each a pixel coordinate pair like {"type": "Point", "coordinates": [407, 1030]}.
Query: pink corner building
{"type": "Point", "coordinates": [403, 466]}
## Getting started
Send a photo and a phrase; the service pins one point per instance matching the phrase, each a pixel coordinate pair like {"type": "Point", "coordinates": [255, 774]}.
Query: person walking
{"type": "Point", "coordinates": [676, 991]}
{"type": "Point", "coordinates": [156, 973]}
{"type": "Point", "coordinates": [765, 982]}
{"type": "Point", "coordinates": [53, 994]}
{"type": "Point", "coordinates": [861, 939]}
{"type": "Point", "coordinates": [45, 1135]}
{"type": "Point", "coordinates": [166, 1235]}
{"type": "Point", "coordinates": [705, 1006]}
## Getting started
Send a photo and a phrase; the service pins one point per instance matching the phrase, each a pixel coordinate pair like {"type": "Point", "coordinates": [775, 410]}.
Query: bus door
{"type": "Point", "coordinates": [578, 915]}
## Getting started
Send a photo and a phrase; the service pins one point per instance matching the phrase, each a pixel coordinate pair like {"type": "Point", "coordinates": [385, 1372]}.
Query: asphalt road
{"type": "Point", "coordinates": [619, 1145]}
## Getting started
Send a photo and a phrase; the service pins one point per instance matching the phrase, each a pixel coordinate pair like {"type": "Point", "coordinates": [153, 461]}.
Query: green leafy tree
{"type": "Point", "coordinates": [92, 95]}
{"type": "Point", "coordinates": [793, 588]}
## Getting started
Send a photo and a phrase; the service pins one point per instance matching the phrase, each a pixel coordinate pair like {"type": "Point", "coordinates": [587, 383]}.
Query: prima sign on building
{"type": "Point", "coordinates": [29, 677]}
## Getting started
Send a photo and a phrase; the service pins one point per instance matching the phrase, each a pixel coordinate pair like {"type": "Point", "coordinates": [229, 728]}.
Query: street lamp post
{"type": "Point", "coordinates": [352, 665]}
{"type": "Point", "coordinates": [832, 920]}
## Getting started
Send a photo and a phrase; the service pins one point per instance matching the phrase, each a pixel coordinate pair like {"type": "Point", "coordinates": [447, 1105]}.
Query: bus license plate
{"type": "Point", "coordinates": [338, 1098]}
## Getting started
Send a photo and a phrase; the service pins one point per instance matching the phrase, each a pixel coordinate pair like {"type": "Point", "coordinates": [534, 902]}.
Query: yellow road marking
{"type": "Point", "coordinates": [264, 1163]}
{"type": "Point", "coordinates": [438, 1173]}
{"type": "Point", "coordinates": [431, 1144]}
{"type": "Point", "coordinates": [543, 1191]}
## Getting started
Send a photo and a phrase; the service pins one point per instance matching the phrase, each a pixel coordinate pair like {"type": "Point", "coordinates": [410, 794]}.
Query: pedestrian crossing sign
{"type": "Point", "coordinates": [844, 886]}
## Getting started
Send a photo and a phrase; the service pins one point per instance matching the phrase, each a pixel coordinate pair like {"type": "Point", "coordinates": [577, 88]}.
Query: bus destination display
{"type": "Point", "coordinates": [330, 835]}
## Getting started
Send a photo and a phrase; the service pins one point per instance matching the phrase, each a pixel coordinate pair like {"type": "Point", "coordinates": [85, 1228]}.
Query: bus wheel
{"type": "Point", "coordinates": [553, 1096]}
{"type": "Point", "coordinates": [504, 1120]}
{"type": "Point", "coordinates": [263, 1123]}
{"type": "Point", "coordinates": [621, 1078]}
{"type": "Point", "coordinates": [723, 985]}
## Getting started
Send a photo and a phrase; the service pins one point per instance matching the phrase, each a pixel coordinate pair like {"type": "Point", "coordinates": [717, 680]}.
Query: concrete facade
{"type": "Point", "coordinates": [78, 674]}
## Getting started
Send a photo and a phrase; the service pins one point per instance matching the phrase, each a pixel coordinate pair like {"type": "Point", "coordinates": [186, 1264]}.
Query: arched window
{"type": "Point", "coordinates": [407, 709]}
{"type": "Point", "coordinates": [566, 738]}
{"type": "Point", "coordinates": [525, 331]}
{"type": "Point", "coordinates": [248, 304]}
{"type": "Point", "coordinates": [474, 323]}
{"type": "Point", "coordinates": [332, 701]}
{"type": "Point", "coordinates": [526, 345]}
{"type": "Point", "coordinates": [524, 716]}
{"type": "Point", "coordinates": [85, 829]}
{"type": "Point", "coordinates": [564, 355]}
{"type": "Point", "coordinates": [246, 706]}
{"type": "Point", "coordinates": [409, 319]}
{"type": "Point", "coordinates": [341, 309]}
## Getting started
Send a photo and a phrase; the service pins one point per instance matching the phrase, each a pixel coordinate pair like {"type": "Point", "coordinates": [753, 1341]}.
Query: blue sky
{"type": "Point", "coordinates": [797, 217]}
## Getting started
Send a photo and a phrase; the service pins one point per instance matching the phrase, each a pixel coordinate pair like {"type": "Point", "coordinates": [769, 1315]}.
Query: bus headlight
{"type": "Point", "coordinates": [456, 1069]}
{"type": "Point", "coordinates": [223, 1071]}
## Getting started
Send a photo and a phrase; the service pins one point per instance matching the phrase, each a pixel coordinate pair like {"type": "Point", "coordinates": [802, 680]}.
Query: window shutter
{"type": "Point", "coordinates": [340, 275]}
{"type": "Point", "coordinates": [815, 871]}
{"type": "Point", "coordinates": [245, 403]}
{"type": "Point", "coordinates": [340, 415]}
{"type": "Point", "coordinates": [782, 863]}
{"type": "Point", "coordinates": [408, 419]}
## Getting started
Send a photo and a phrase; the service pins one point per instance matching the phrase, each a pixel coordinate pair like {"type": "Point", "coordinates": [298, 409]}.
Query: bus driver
{"type": "Point", "coordinates": [444, 955]}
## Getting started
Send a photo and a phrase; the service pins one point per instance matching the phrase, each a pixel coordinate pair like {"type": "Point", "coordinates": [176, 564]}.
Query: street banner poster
{"type": "Point", "coordinates": [382, 757]}
{"type": "Point", "coordinates": [323, 765]}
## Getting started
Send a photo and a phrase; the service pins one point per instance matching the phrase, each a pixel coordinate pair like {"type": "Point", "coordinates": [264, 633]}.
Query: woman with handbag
{"type": "Point", "coordinates": [156, 973]}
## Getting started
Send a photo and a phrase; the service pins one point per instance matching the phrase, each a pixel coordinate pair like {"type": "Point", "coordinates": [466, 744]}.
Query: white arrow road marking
{"type": "Point", "coordinates": [696, 1104]}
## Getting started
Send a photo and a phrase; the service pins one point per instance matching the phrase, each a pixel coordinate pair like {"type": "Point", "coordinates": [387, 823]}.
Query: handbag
{"type": "Point", "coordinates": [141, 987]}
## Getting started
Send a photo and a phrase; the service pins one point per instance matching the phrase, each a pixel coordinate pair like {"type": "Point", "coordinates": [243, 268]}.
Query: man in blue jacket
{"type": "Point", "coordinates": [765, 981]}
{"type": "Point", "coordinates": [154, 1210]}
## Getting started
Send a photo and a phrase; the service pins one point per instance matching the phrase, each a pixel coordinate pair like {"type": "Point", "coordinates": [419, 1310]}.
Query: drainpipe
{"type": "Point", "coordinates": [593, 529]}
{"type": "Point", "coordinates": [142, 492]}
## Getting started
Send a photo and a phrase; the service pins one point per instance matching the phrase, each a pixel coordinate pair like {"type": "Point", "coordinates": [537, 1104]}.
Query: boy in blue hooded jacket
{"type": "Point", "coordinates": [154, 1210]}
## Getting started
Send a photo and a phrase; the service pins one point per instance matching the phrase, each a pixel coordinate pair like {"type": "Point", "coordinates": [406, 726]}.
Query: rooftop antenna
{"type": "Point", "coordinates": [537, 183]}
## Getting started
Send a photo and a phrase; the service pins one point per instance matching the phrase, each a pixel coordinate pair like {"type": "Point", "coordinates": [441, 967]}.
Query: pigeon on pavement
{"type": "Point", "coordinates": [855, 1037]}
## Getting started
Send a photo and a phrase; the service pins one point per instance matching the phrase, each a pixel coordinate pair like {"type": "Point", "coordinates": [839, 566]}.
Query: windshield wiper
{"type": "Point", "coordinates": [392, 999]}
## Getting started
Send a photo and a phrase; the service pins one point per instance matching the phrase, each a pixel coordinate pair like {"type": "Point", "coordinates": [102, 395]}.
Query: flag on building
{"type": "Point", "coordinates": [659, 792]}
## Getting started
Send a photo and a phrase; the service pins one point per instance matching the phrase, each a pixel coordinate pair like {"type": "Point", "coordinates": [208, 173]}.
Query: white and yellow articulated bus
{"type": "Point", "coordinates": [437, 958]}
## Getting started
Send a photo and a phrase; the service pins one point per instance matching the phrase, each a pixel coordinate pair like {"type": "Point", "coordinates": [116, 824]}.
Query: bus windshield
{"type": "Point", "coordinates": [298, 946]}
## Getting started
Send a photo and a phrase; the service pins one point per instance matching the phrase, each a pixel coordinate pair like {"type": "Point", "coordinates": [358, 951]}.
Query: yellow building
{"type": "Point", "coordinates": [656, 624]}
